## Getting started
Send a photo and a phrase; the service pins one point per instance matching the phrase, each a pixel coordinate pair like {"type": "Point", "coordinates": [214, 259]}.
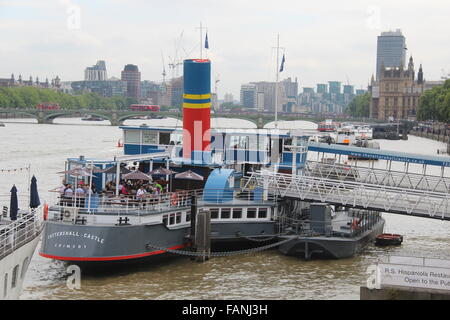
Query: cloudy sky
{"type": "Point", "coordinates": [323, 40]}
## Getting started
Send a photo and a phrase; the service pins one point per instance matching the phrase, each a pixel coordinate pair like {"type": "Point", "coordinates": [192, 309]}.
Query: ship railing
{"type": "Point", "coordinates": [151, 204]}
{"type": "Point", "coordinates": [391, 178]}
{"type": "Point", "coordinates": [15, 234]}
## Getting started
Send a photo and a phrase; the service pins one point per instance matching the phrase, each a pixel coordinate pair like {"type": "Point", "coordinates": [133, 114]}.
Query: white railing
{"type": "Point", "coordinates": [130, 205]}
{"type": "Point", "coordinates": [356, 194]}
{"type": "Point", "coordinates": [408, 180]}
{"type": "Point", "coordinates": [14, 234]}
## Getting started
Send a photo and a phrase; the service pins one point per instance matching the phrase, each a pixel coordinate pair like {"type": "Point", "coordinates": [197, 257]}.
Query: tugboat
{"type": "Point", "coordinates": [209, 173]}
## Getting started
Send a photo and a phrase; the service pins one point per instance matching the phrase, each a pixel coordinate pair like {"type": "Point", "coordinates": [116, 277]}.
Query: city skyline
{"type": "Point", "coordinates": [323, 41]}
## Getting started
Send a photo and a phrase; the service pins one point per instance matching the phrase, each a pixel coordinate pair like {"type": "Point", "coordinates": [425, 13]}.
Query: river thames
{"type": "Point", "coordinates": [263, 275]}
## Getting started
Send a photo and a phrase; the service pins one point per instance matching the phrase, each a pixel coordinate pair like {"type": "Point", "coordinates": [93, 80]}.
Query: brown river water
{"type": "Point", "coordinates": [263, 275]}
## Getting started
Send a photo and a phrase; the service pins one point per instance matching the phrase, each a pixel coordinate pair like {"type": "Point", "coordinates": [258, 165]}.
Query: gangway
{"type": "Point", "coordinates": [355, 193]}
{"type": "Point", "coordinates": [391, 178]}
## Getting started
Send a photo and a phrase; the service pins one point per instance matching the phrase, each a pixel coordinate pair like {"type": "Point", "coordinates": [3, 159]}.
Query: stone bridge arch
{"type": "Point", "coordinates": [49, 117]}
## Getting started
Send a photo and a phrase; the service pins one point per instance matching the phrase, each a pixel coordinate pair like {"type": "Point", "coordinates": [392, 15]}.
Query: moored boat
{"type": "Point", "coordinates": [388, 239]}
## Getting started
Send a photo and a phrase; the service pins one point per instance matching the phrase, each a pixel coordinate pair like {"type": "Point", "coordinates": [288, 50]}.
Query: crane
{"type": "Point", "coordinates": [176, 61]}
{"type": "Point", "coordinates": [164, 68]}
{"type": "Point", "coordinates": [217, 80]}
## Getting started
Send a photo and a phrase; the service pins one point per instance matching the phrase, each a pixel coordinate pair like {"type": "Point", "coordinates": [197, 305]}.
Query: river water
{"type": "Point", "coordinates": [264, 275]}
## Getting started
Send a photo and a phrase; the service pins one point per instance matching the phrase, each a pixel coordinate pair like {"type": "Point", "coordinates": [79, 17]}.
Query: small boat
{"type": "Point", "coordinates": [388, 239]}
{"type": "Point", "coordinates": [346, 136]}
{"type": "Point", "coordinates": [328, 126]}
{"type": "Point", "coordinates": [92, 118]}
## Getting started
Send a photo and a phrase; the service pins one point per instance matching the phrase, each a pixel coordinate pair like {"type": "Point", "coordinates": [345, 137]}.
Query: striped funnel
{"type": "Point", "coordinates": [197, 110]}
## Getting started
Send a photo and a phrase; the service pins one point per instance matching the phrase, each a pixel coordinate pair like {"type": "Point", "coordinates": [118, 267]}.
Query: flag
{"type": "Point", "coordinates": [206, 41]}
{"type": "Point", "coordinates": [282, 64]}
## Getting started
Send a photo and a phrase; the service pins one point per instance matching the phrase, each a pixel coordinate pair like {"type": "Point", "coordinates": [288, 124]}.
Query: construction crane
{"type": "Point", "coordinates": [164, 68]}
{"type": "Point", "coordinates": [217, 80]}
{"type": "Point", "coordinates": [176, 61]}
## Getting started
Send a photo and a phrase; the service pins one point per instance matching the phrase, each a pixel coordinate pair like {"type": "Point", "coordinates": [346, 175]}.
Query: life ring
{"type": "Point", "coordinates": [174, 199]}
{"type": "Point", "coordinates": [45, 211]}
{"type": "Point", "coordinates": [355, 224]}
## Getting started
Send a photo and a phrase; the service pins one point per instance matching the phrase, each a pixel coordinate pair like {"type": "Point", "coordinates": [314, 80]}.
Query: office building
{"type": "Point", "coordinates": [249, 96]}
{"type": "Point", "coordinates": [96, 72]}
{"type": "Point", "coordinates": [391, 51]}
{"type": "Point", "coordinates": [132, 76]}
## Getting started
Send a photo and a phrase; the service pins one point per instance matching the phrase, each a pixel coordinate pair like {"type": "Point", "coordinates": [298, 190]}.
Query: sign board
{"type": "Point", "coordinates": [411, 272]}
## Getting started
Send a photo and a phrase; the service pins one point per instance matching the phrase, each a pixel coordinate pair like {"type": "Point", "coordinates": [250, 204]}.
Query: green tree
{"type": "Point", "coordinates": [434, 104]}
{"type": "Point", "coordinates": [359, 106]}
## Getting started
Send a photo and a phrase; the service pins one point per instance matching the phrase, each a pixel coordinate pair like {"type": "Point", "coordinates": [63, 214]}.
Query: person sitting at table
{"type": "Point", "coordinates": [140, 194]}
{"type": "Point", "coordinates": [157, 185]}
{"type": "Point", "coordinates": [79, 190]}
{"type": "Point", "coordinates": [123, 189]}
{"type": "Point", "coordinates": [68, 192]}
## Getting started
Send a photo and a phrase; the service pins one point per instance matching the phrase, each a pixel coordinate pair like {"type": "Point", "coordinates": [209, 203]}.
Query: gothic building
{"type": "Point", "coordinates": [395, 96]}
{"type": "Point", "coordinates": [12, 82]}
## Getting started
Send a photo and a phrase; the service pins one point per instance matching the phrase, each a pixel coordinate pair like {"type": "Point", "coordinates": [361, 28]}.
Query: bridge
{"type": "Point", "coordinates": [117, 117]}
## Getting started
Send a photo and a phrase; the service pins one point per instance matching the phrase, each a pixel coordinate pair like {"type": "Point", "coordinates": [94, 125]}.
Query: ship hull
{"type": "Point", "coordinates": [21, 257]}
{"type": "Point", "coordinates": [330, 247]}
{"type": "Point", "coordinates": [83, 244]}
{"type": "Point", "coordinates": [99, 245]}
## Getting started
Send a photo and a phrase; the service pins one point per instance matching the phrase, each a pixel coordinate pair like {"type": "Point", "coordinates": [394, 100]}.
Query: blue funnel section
{"type": "Point", "coordinates": [217, 188]}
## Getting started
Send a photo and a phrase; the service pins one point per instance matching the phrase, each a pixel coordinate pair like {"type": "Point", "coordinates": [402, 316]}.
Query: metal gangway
{"type": "Point", "coordinates": [386, 192]}
{"type": "Point", "coordinates": [392, 178]}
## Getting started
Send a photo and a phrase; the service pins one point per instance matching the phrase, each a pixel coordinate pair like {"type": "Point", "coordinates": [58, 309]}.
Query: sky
{"type": "Point", "coordinates": [323, 40]}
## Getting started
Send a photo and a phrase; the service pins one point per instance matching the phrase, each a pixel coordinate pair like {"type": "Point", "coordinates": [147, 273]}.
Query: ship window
{"type": "Point", "coordinates": [237, 213]}
{"type": "Point", "coordinates": [164, 138]}
{"type": "Point", "coordinates": [15, 273]}
{"type": "Point", "coordinates": [178, 217]}
{"type": "Point", "coordinates": [165, 220]}
{"type": "Point", "coordinates": [262, 213]}
{"type": "Point", "coordinates": [172, 219]}
{"type": "Point", "coordinates": [287, 142]}
{"type": "Point", "coordinates": [214, 213]}
{"type": "Point", "coordinates": [150, 137]}
{"type": "Point", "coordinates": [225, 213]}
{"type": "Point", "coordinates": [5, 286]}
{"type": "Point", "coordinates": [188, 217]}
{"type": "Point", "coordinates": [251, 213]}
{"type": "Point", "coordinates": [24, 267]}
{"type": "Point", "coordinates": [132, 136]}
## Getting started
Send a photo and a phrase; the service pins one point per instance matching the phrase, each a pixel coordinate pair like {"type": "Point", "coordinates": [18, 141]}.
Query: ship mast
{"type": "Point", "coordinates": [276, 83]}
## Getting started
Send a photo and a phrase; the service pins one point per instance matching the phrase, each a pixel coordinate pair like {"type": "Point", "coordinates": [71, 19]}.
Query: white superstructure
{"type": "Point", "coordinates": [18, 241]}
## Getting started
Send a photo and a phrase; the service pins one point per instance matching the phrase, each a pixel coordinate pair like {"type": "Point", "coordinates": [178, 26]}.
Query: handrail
{"type": "Point", "coordinates": [20, 232]}
{"type": "Point", "coordinates": [356, 194]}
{"type": "Point", "coordinates": [154, 204]}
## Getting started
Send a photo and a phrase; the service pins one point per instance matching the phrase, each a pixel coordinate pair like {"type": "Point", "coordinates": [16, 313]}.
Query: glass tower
{"type": "Point", "coordinates": [391, 50]}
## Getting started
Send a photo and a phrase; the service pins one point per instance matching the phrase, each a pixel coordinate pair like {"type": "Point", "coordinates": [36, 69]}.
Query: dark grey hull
{"type": "Point", "coordinates": [81, 243]}
{"type": "Point", "coordinates": [330, 247]}
{"type": "Point", "coordinates": [98, 245]}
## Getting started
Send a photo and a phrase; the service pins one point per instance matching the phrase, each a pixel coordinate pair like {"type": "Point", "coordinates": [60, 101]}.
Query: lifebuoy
{"type": "Point", "coordinates": [45, 211]}
{"type": "Point", "coordinates": [174, 199]}
{"type": "Point", "coordinates": [355, 224]}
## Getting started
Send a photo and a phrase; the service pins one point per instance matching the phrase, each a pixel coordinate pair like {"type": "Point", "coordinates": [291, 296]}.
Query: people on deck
{"type": "Point", "coordinates": [140, 194]}
{"type": "Point", "coordinates": [68, 191]}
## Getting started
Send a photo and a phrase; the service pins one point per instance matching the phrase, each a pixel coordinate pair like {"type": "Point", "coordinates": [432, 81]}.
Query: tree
{"type": "Point", "coordinates": [359, 106]}
{"type": "Point", "coordinates": [434, 104]}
